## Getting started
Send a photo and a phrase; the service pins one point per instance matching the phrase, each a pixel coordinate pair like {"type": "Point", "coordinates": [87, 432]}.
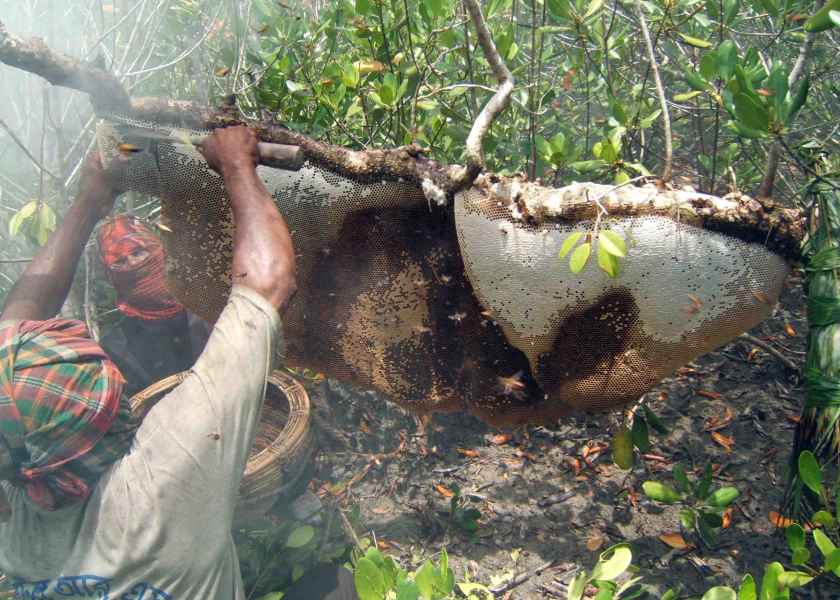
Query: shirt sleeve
{"type": "Point", "coordinates": [190, 451]}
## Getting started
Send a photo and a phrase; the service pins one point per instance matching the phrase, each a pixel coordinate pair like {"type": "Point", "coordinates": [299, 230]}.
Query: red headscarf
{"type": "Point", "coordinates": [141, 289]}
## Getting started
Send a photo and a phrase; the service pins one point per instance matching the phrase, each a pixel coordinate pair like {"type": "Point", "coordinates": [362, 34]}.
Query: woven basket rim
{"type": "Point", "coordinates": [290, 437]}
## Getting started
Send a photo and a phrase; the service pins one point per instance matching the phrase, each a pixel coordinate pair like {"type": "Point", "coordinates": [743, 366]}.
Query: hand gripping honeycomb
{"type": "Point", "coordinates": [462, 307]}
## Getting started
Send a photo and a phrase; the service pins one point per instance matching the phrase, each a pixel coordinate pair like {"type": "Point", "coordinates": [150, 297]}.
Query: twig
{"type": "Point", "coordinates": [22, 146]}
{"type": "Point", "coordinates": [348, 528]}
{"type": "Point", "coordinates": [474, 151]}
{"type": "Point", "coordinates": [9, 261]}
{"type": "Point", "coordinates": [765, 346]}
{"type": "Point", "coordinates": [523, 577]}
{"type": "Point", "coordinates": [660, 91]}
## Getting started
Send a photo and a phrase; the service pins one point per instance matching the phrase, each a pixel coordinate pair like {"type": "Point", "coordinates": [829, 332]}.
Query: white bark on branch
{"type": "Point", "coordinates": [497, 103]}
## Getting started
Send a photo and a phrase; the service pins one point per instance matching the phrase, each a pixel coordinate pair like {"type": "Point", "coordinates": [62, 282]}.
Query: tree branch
{"type": "Point", "coordinates": [34, 56]}
{"type": "Point", "coordinates": [497, 103]}
{"type": "Point", "coordinates": [660, 92]}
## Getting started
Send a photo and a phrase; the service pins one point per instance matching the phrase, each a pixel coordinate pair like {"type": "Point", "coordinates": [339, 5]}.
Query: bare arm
{"type": "Point", "coordinates": [42, 288]}
{"type": "Point", "coordinates": [263, 255]}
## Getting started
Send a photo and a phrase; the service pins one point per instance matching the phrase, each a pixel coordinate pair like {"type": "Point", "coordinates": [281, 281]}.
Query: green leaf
{"type": "Point", "coordinates": [825, 545]}
{"type": "Point", "coordinates": [801, 556]}
{"type": "Point", "coordinates": [661, 492]}
{"type": "Point", "coordinates": [641, 437]}
{"type": "Point", "coordinates": [777, 83]}
{"type": "Point", "coordinates": [720, 593]}
{"type": "Point", "coordinates": [407, 590]}
{"type": "Point", "coordinates": [727, 58]}
{"type": "Point", "coordinates": [622, 449]}
{"type": "Point", "coordinates": [723, 497]}
{"type": "Point", "coordinates": [370, 583]}
{"type": "Point", "coordinates": [300, 536]}
{"type": "Point", "coordinates": [584, 166]}
{"type": "Point", "coordinates": [593, 8]}
{"type": "Point", "coordinates": [751, 112]}
{"type": "Point", "coordinates": [794, 579]}
{"type": "Point", "coordinates": [693, 41]}
{"type": "Point", "coordinates": [824, 518]}
{"type": "Point", "coordinates": [795, 536]}
{"type": "Point", "coordinates": [612, 563]}
{"type": "Point", "coordinates": [436, 8]}
{"type": "Point", "coordinates": [705, 483]}
{"type": "Point", "coordinates": [683, 484]}
{"type": "Point", "coordinates": [687, 518]}
{"type": "Point", "coordinates": [560, 8]}
{"type": "Point", "coordinates": [22, 215]}
{"type": "Point", "coordinates": [569, 243]}
{"type": "Point", "coordinates": [696, 81]}
{"type": "Point", "coordinates": [798, 100]}
{"type": "Point", "coordinates": [810, 472]}
{"type": "Point", "coordinates": [686, 96]}
{"type": "Point", "coordinates": [271, 596]}
{"type": "Point", "coordinates": [654, 421]}
{"type": "Point", "coordinates": [708, 65]}
{"type": "Point", "coordinates": [747, 589]}
{"type": "Point", "coordinates": [613, 243]}
{"type": "Point", "coordinates": [362, 7]}
{"type": "Point", "coordinates": [832, 561]}
{"type": "Point", "coordinates": [578, 586]}
{"type": "Point", "coordinates": [607, 262]}
{"type": "Point", "coordinates": [730, 10]}
{"type": "Point", "coordinates": [579, 257]}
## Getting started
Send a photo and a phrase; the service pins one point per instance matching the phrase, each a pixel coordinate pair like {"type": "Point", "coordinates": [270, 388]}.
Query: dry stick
{"type": "Point", "coordinates": [497, 103]}
{"type": "Point", "coordinates": [660, 92]}
{"type": "Point", "coordinates": [765, 346]}
{"type": "Point", "coordinates": [9, 261]}
{"type": "Point", "coordinates": [22, 146]}
{"type": "Point", "coordinates": [765, 189]}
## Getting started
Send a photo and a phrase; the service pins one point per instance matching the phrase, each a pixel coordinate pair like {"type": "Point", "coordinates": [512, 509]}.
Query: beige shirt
{"type": "Point", "coordinates": [158, 525]}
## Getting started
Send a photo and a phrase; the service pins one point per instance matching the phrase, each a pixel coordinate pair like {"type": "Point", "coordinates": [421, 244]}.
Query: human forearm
{"type": "Point", "coordinates": [41, 290]}
{"type": "Point", "coordinates": [263, 254]}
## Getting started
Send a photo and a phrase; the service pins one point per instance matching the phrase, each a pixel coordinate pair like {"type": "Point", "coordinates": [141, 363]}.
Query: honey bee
{"type": "Point", "coordinates": [222, 71]}
{"type": "Point", "coordinates": [761, 297]}
{"type": "Point", "coordinates": [421, 329]}
{"type": "Point", "coordinates": [512, 386]}
{"type": "Point", "coordinates": [696, 305]}
{"type": "Point", "coordinates": [126, 149]}
{"type": "Point", "coordinates": [163, 227]}
{"type": "Point", "coordinates": [263, 29]}
{"type": "Point", "coordinates": [458, 316]}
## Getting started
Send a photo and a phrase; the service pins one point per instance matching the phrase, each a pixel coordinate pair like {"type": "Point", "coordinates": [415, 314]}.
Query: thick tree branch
{"type": "Point", "coordinates": [34, 56]}
{"type": "Point", "coordinates": [660, 92]}
{"type": "Point", "coordinates": [497, 103]}
{"type": "Point", "coordinates": [765, 189]}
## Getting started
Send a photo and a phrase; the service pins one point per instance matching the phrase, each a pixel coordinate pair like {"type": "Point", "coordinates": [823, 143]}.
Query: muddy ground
{"type": "Point", "coordinates": [536, 508]}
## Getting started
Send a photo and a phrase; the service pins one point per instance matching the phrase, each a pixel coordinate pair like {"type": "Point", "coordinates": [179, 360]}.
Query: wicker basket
{"type": "Point", "coordinates": [282, 449]}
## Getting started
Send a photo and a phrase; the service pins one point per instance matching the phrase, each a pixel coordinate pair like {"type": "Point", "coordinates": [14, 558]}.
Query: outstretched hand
{"type": "Point", "coordinates": [96, 187]}
{"type": "Point", "coordinates": [230, 148]}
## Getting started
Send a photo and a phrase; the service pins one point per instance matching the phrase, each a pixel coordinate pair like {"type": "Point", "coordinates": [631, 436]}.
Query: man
{"type": "Point", "coordinates": [155, 335]}
{"type": "Point", "coordinates": [102, 506]}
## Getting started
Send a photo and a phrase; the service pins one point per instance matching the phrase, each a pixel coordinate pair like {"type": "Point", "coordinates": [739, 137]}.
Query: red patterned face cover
{"type": "Point", "coordinates": [133, 256]}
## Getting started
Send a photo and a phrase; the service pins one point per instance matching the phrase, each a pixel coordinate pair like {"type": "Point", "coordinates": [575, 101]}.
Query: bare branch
{"type": "Point", "coordinates": [33, 55]}
{"type": "Point", "coordinates": [660, 92]}
{"type": "Point", "coordinates": [494, 106]}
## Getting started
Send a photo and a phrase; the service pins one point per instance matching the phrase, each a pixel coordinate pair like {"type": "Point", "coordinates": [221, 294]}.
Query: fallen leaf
{"type": "Point", "coordinates": [675, 540]}
{"type": "Point", "coordinates": [655, 457]}
{"type": "Point", "coordinates": [222, 71]}
{"type": "Point", "coordinates": [501, 438]}
{"type": "Point", "coordinates": [444, 491]}
{"type": "Point", "coordinates": [595, 541]}
{"type": "Point", "coordinates": [792, 418]}
{"type": "Point", "coordinates": [789, 330]}
{"type": "Point", "coordinates": [525, 454]}
{"type": "Point", "coordinates": [727, 518]}
{"type": "Point", "coordinates": [468, 452]}
{"type": "Point", "coordinates": [780, 521]}
{"type": "Point", "coordinates": [709, 394]}
{"type": "Point", "coordinates": [716, 423]}
{"type": "Point", "coordinates": [383, 545]}
{"type": "Point", "coordinates": [752, 354]}
{"type": "Point", "coordinates": [724, 440]}
{"type": "Point", "coordinates": [686, 371]}
{"type": "Point", "coordinates": [364, 427]}
{"type": "Point", "coordinates": [576, 465]}
{"type": "Point", "coordinates": [662, 397]}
